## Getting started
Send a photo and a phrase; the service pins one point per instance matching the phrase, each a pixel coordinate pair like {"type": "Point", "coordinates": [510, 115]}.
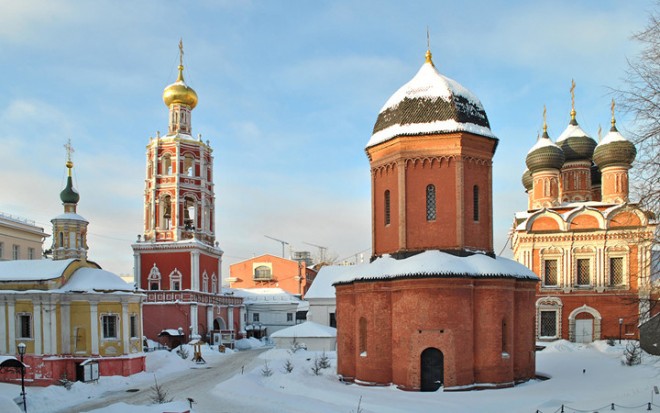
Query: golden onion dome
{"type": "Point", "coordinates": [179, 92]}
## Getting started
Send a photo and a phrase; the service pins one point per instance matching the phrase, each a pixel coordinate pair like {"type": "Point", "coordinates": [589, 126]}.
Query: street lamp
{"type": "Point", "coordinates": [21, 351]}
{"type": "Point", "coordinates": [620, 325]}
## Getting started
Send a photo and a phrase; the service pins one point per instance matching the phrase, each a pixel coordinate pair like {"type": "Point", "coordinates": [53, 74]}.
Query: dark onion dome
{"type": "Point", "coordinates": [527, 180]}
{"type": "Point", "coordinates": [544, 155]}
{"type": "Point", "coordinates": [575, 143]}
{"type": "Point", "coordinates": [614, 150]}
{"type": "Point", "coordinates": [430, 103]}
{"type": "Point", "coordinates": [180, 92]}
{"type": "Point", "coordinates": [595, 175]}
{"type": "Point", "coordinates": [69, 195]}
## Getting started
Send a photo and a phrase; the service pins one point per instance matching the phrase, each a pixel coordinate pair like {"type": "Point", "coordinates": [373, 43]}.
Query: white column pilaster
{"type": "Point", "coordinates": [3, 331]}
{"type": "Point", "coordinates": [125, 333]}
{"type": "Point", "coordinates": [37, 326]}
{"type": "Point", "coordinates": [65, 333]}
{"type": "Point", "coordinates": [11, 326]}
{"type": "Point", "coordinates": [94, 326]}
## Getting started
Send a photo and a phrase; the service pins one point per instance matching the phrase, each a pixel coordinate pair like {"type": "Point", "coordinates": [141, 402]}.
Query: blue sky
{"type": "Point", "coordinates": [288, 95]}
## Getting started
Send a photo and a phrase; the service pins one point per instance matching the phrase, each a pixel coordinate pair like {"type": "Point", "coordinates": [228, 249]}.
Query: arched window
{"type": "Point", "coordinates": [166, 212]}
{"type": "Point", "coordinates": [154, 278]}
{"type": "Point", "coordinates": [189, 165]}
{"type": "Point", "coordinates": [175, 280]}
{"type": "Point", "coordinates": [205, 282]}
{"type": "Point", "coordinates": [61, 239]}
{"type": "Point", "coordinates": [430, 203]}
{"type": "Point", "coordinates": [262, 272]}
{"type": "Point", "coordinates": [475, 203]}
{"type": "Point", "coordinates": [504, 336]}
{"type": "Point", "coordinates": [387, 207]}
{"type": "Point", "coordinates": [214, 284]}
{"type": "Point", "coordinates": [363, 337]}
{"type": "Point", "coordinates": [190, 213]}
{"type": "Point", "coordinates": [167, 165]}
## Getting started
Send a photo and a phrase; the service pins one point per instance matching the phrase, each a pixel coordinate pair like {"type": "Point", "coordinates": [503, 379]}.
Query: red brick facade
{"type": "Point", "coordinates": [422, 328]}
{"type": "Point", "coordinates": [482, 327]}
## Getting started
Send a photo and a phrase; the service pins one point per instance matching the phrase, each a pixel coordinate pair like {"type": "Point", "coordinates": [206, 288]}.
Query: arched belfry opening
{"type": "Point", "coordinates": [432, 369]}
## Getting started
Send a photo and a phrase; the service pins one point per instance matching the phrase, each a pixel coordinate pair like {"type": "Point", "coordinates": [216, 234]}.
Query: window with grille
{"type": "Point", "coordinates": [550, 272]}
{"type": "Point", "coordinates": [30, 253]}
{"type": "Point", "coordinates": [109, 326]}
{"type": "Point", "coordinates": [332, 320]}
{"type": "Point", "coordinates": [583, 271]}
{"type": "Point", "coordinates": [255, 317]}
{"type": "Point", "coordinates": [262, 272]}
{"type": "Point", "coordinates": [16, 252]}
{"type": "Point", "coordinates": [25, 326]}
{"type": "Point", "coordinates": [475, 203]}
{"type": "Point", "coordinates": [548, 324]}
{"type": "Point", "coordinates": [616, 271]}
{"type": "Point", "coordinates": [430, 203]}
{"type": "Point", "coordinates": [134, 326]}
{"type": "Point", "coordinates": [387, 207]}
{"type": "Point", "coordinates": [289, 317]}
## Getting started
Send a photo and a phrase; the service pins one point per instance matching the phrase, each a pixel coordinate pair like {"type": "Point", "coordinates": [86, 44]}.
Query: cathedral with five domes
{"type": "Point", "coordinates": [589, 245]}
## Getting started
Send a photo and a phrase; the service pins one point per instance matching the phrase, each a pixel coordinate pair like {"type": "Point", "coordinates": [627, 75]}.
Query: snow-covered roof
{"type": "Point", "coordinates": [612, 136]}
{"type": "Point", "coordinates": [170, 332]}
{"type": "Point", "coordinates": [540, 143]}
{"type": "Point", "coordinates": [438, 263]}
{"type": "Point", "coordinates": [33, 270]}
{"type": "Point", "coordinates": [322, 286]}
{"type": "Point", "coordinates": [430, 103]}
{"type": "Point", "coordinates": [571, 131]}
{"type": "Point", "coordinates": [94, 279]}
{"type": "Point", "coordinates": [72, 216]}
{"type": "Point", "coordinates": [264, 295]}
{"type": "Point", "coordinates": [303, 306]}
{"type": "Point", "coordinates": [428, 263]}
{"type": "Point", "coordinates": [306, 329]}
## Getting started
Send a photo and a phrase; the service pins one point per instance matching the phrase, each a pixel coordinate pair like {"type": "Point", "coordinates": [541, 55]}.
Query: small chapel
{"type": "Point", "coordinates": [435, 308]}
{"type": "Point", "coordinates": [75, 320]}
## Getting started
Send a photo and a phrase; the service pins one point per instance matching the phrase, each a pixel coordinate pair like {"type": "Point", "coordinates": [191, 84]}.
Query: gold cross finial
{"type": "Point", "coordinates": [600, 132]}
{"type": "Point", "coordinates": [613, 119]}
{"type": "Point", "coordinates": [429, 56]}
{"type": "Point", "coordinates": [572, 99]}
{"type": "Point", "coordinates": [545, 123]}
{"type": "Point", "coordinates": [69, 151]}
{"type": "Point", "coordinates": [181, 52]}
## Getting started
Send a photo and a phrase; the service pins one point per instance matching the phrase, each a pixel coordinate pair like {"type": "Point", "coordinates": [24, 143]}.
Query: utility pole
{"type": "Point", "coordinates": [280, 241]}
{"type": "Point", "coordinates": [322, 250]}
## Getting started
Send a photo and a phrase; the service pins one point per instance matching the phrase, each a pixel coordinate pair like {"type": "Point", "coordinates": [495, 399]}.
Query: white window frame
{"type": "Point", "coordinates": [134, 326]}
{"type": "Point", "coordinates": [15, 252]}
{"type": "Point", "coordinates": [205, 282]}
{"type": "Point", "coordinates": [108, 316]}
{"type": "Point", "coordinates": [19, 326]}
{"type": "Point", "coordinates": [175, 276]}
{"type": "Point", "coordinates": [617, 252]}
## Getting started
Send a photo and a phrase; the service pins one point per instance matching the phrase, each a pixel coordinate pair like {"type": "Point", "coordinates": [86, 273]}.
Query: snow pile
{"type": "Point", "coordinates": [175, 406]}
{"type": "Point", "coordinates": [306, 329]}
{"type": "Point", "coordinates": [248, 343]}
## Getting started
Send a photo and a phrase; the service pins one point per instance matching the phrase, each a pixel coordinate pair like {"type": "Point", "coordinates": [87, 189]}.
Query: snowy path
{"type": "Point", "coordinates": [196, 384]}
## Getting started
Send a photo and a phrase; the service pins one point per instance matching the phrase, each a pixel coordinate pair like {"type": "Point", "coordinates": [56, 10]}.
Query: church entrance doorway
{"type": "Point", "coordinates": [584, 330]}
{"type": "Point", "coordinates": [432, 368]}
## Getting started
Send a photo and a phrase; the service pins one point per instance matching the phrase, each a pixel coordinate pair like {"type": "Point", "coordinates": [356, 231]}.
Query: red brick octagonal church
{"type": "Point", "coordinates": [435, 307]}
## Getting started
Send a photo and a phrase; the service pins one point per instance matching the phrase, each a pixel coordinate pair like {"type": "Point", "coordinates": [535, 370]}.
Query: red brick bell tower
{"type": "Point", "coordinates": [177, 261]}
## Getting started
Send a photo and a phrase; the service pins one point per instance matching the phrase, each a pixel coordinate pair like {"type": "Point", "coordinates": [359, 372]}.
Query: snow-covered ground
{"type": "Point", "coordinates": [582, 378]}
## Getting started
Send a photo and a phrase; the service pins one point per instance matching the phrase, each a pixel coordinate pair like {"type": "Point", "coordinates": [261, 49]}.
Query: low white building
{"type": "Point", "coordinates": [321, 295]}
{"type": "Point", "coordinates": [309, 335]}
{"type": "Point", "coordinates": [267, 310]}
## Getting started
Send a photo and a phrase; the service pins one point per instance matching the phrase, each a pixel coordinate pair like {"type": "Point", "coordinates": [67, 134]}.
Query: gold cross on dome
{"type": "Point", "coordinates": [69, 150]}
{"type": "Point", "coordinates": [181, 51]}
{"type": "Point", "coordinates": [573, 94]}
{"type": "Point", "coordinates": [545, 123]}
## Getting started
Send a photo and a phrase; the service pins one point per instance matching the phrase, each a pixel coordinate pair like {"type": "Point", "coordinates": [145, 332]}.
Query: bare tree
{"type": "Point", "coordinates": [641, 98]}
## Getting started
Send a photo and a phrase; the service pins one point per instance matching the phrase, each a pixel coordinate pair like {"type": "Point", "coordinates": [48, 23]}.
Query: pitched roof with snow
{"type": "Point", "coordinates": [265, 295]}
{"type": "Point", "coordinates": [95, 280]}
{"type": "Point", "coordinates": [306, 329]}
{"type": "Point", "coordinates": [430, 103]}
{"type": "Point", "coordinates": [33, 270]}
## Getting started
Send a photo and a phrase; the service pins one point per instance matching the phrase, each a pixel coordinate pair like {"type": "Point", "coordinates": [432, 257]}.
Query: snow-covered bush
{"type": "Point", "coordinates": [632, 355]}
{"type": "Point", "coordinates": [266, 371]}
{"type": "Point", "coordinates": [288, 366]}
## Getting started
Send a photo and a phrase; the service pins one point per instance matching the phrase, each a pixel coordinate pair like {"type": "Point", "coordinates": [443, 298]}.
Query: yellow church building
{"type": "Point", "coordinates": [68, 311]}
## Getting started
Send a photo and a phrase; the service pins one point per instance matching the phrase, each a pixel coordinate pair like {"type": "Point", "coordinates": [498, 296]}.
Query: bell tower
{"type": "Point", "coordinates": [179, 202]}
